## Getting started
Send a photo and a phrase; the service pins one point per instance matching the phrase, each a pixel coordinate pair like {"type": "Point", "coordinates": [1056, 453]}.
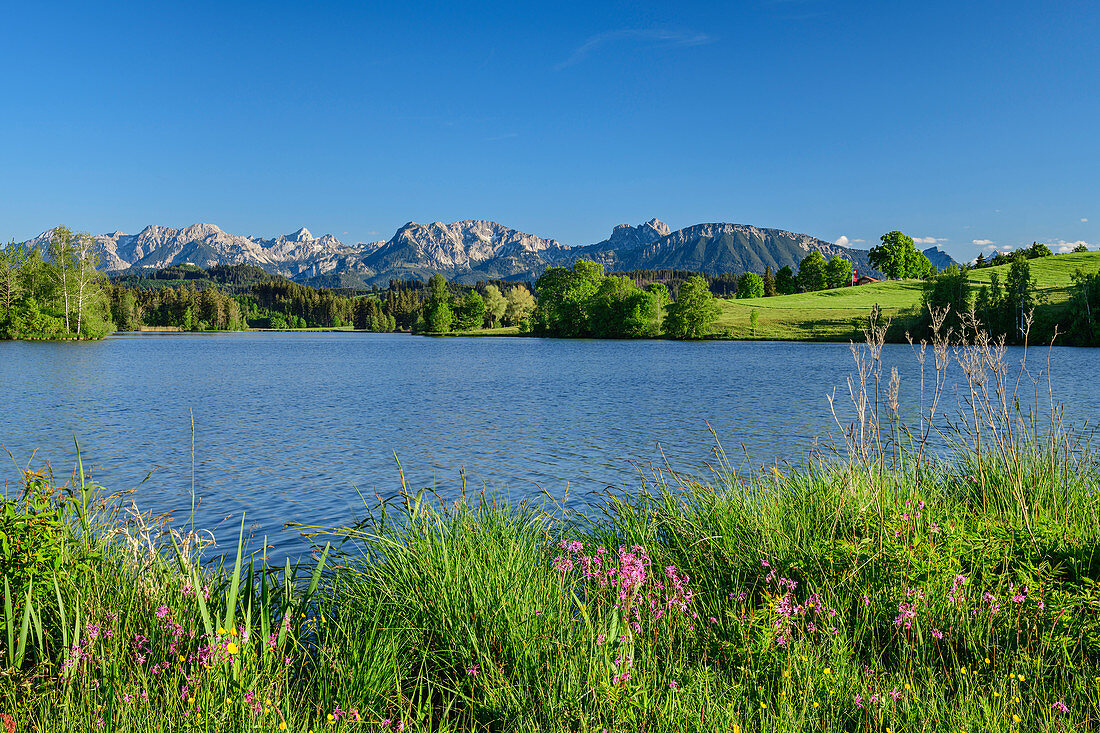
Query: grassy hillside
{"type": "Point", "coordinates": [841, 314]}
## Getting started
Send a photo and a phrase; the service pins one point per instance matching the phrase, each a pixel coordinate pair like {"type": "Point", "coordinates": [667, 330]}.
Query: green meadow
{"type": "Point", "coordinates": [841, 314]}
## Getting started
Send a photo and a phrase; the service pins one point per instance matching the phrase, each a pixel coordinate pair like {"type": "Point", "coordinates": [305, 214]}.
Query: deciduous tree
{"type": "Point", "coordinates": [12, 259]}
{"type": "Point", "coordinates": [811, 272]}
{"type": "Point", "coordinates": [750, 285]}
{"type": "Point", "coordinates": [495, 305]}
{"type": "Point", "coordinates": [786, 282]}
{"type": "Point", "coordinates": [694, 311]}
{"type": "Point", "coordinates": [437, 312]}
{"type": "Point", "coordinates": [61, 265]}
{"type": "Point", "coordinates": [838, 273]}
{"type": "Point", "coordinates": [897, 256]}
{"type": "Point", "coordinates": [521, 304]}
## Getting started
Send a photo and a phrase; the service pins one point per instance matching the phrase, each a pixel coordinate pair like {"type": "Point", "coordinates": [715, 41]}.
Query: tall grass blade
{"type": "Point", "coordinates": [234, 583]}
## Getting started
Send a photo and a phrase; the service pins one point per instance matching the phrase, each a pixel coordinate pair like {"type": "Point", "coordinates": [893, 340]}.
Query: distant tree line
{"type": "Point", "coordinates": [58, 297]}
{"type": "Point", "coordinates": [1034, 252]}
{"type": "Point", "coordinates": [451, 308]}
{"type": "Point", "coordinates": [183, 307]}
{"type": "Point", "coordinates": [233, 297]}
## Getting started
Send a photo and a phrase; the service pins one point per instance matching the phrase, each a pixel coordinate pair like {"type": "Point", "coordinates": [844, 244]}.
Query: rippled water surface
{"type": "Point", "coordinates": [289, 426]}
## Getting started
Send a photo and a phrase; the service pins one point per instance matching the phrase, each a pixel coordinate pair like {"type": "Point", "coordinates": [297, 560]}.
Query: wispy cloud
{"type": "Point", "coordinates": [844, 241]}
{"type": "Point", "coordinates": [981, 242]}
{"type": "Point", "coordinates": [659, 38]}
{"type": "Point", "coordinates": [929, 240]}
{"type": "Point", "coordinates": [1084, 219]}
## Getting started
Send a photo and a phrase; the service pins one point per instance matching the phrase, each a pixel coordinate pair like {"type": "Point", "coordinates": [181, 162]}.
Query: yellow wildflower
{"type": "Point", "coordinates": [221, 630]}
{"type": "Point", "coordinates": [1020, 677]}
{"type": "Point", "coordinates": [828, 670]}
{"type": "Point", "coordinates": [330, 718]}
{"type": "Point", "coordinates": [282, 725]}
{"type": "Point", "coordinates": [231, 648]}
{"type": "Point", "coordinates": [1016, 718]}
{"type": "Point", "coordinates": [817, 704]}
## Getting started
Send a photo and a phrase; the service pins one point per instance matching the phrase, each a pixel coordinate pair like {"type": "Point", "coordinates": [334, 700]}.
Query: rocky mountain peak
{"type": "Point", "coordinates": [625, 236]}
{"type": "Point", "coordinates": [200, 231]}
{"type": "Point", "coordinates": [302, 235]}
{"type": "Point", "coordinates": [659, 226]}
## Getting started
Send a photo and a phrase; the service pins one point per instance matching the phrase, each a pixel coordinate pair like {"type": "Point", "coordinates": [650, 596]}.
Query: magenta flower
{"type": "Point", "coordinates": [473, 670]}
{"type": "Point", "coordinates": [563, 565]}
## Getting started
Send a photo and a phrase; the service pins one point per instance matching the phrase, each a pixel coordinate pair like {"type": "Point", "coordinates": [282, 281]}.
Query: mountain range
{"type": "Point", "coordinates": [469, 251]}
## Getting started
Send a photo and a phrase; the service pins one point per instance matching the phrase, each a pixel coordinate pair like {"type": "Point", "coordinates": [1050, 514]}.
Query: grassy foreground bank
{"type": "Point", "coordinates": [879, 589]}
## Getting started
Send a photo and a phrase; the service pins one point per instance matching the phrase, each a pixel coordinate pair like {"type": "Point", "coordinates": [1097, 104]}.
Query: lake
{"type": "Point", "coordinates": [290, 426]}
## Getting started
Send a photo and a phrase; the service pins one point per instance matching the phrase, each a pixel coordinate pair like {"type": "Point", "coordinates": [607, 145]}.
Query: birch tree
{"type": "Point", "coordinates": [86, 275]}
{"type": "Point", "coordinates": [61, 250]}
{"type": "Point", "coordinates": [12, 259]}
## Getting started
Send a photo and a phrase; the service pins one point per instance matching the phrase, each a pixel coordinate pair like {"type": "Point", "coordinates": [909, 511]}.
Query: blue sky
{"type": "Point", "coordinates": [971, 124]}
